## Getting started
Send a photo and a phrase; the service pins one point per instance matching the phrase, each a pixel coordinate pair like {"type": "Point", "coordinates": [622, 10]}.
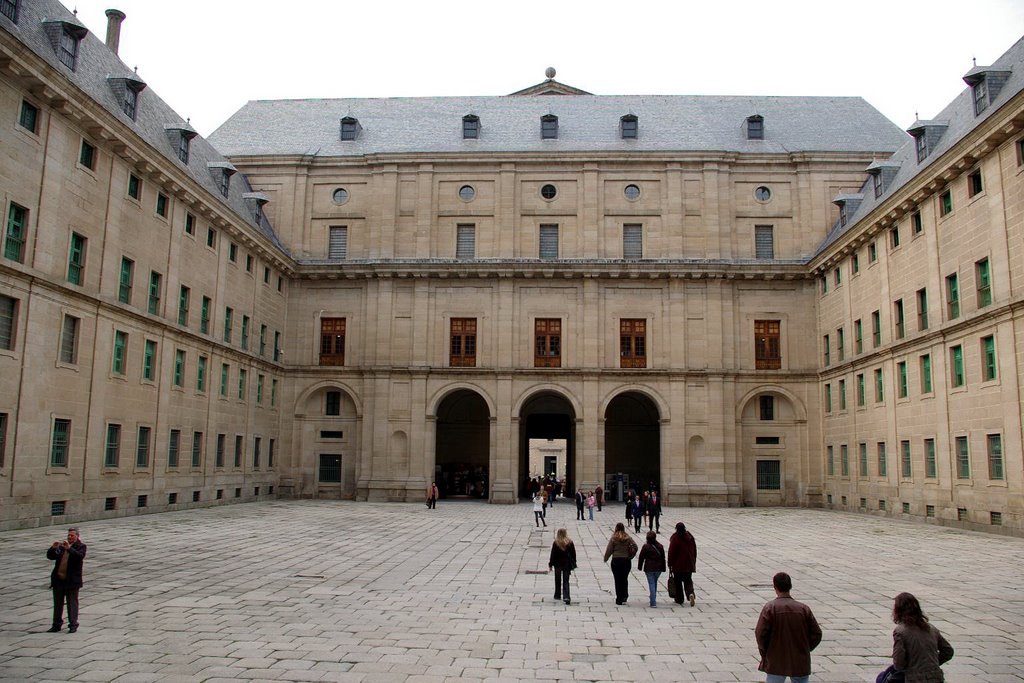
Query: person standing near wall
{"type": "Point", "coordinates": [432, 496]}
{"type": "Point", "coordinates": [599, 495]}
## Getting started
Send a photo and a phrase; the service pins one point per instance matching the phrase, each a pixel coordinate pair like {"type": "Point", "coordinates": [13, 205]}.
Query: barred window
{"type": "Point", "coordinates": [764, 241]}
{"type": "Point", "coordinates": [769, 475]}
{"type": "Point", "coordinates": [632, 240]}
{"type": "Point", "coordinates": [337, 248]}
{"type": "Point", "coordinates": [330, 468]}
{"type": "Point", "coordinates": [548, 241]}
{"type": "Point", "coordinates": [60, 443]}
{"type": "Point", "coordinates": [465, 241]}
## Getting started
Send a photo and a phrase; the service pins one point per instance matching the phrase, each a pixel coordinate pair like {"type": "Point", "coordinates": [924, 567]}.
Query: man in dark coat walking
{"type": "Point", "coordinates": [581, 501]}
{"type": "Point", "coordinates": [66, 578]}
{"type": "Point", "coordinates": [786, 633]}
{"type": "Point", "coordinates": [682, 562]}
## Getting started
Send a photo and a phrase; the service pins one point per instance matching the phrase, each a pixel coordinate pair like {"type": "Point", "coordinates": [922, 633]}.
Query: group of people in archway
{"type": "Point", "coordinates": [548, 487]}
{"type": "Point", "coordinates": [642, 507]}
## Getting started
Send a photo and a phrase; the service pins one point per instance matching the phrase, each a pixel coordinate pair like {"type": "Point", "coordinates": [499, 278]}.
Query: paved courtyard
{"type": "Point", "coordinates": [342, 591]}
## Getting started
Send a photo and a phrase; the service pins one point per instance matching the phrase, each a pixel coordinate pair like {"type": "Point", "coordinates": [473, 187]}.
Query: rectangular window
{"type": "Point", "coordinates": [60, 443]}
{"type": "Point", "coordinates": [956, 365]}
{"type": "Point", "coordinates": [219, 462]}
{"type": "Point", "coordinates": [273, 393]}
{"type": "Point", "coordinates": [984, 279]}
{"type": "Point", "coordinates": [470, 127]}
{"type": "Point", "coordinates": [952, 297]}
{"type": "Point", "coordinates": [245, 333]}
{"type": "Point", "coordinates": [462, 343]}
{"type": "Point", "coordinates": [632, 240]}
{"type": "Point", "coordinates": [204, 315]}
{"type": "Point", "coordinates": [841, 343]}
{"type": "Point", "coordinates": [263, 340]}
{"type": "Point", "coordinates": [862, 459]}
{"type": "Point", "coordinates": [894, 237]}
{"type": "Point", "coordinates": [201, 374]}
{"type": "Point", "coordinates": [184, 296]}
{"type": "Point", "coordinates": [8, 317]}
{"type": "Point", "coordinates": [844, 460]}
{"type": "Point", "coordinates": [548, 347]}
{"type": "Point", "coordinates": [68, 338]}
{"type": "Point", "coordinates": [828, 398]}
{"type": "Point", "coordinates": [87, 155]}
{"type": "Point", "coordinates": [946, 203]}
{"type": "Point", "coordinates": [76, 259]}
{"type": "Point", "coordinates": [257, 444]}
{"type": "Point", "coordinates": [332, 403]}
{"type": "Point", "coordinates": [259, 389]}
{"type": "Point", "coordinates": [197, 449]}
{"type": "Point", "coordinates": [897, 308]}
{"type": "Point", "coordinates": [241, 384]}
{"type": "Point", "coordinates": [926, 373]}
{"type": "Point", "coordinates": [232, 252]}
{"type": "Point", "coordinates": [465, 241]}
{"type": "Point", "coordinates": [337, 247]}
{"type": "Point", "coordinates": [855, 264]}
{"type": "Point", "coordinates": [179, 368]}
{"type": "Point", "coordinates": [134, 186]}
{"type": "Point", "coordinates": [239, 447]}
{"type": "Point", "coordinates": [190, 224]}
{"type": "Point", "coordinates": [837, 277]}
{"type": "Point", "coordinates": [17, 230]}
{"type": "Point", "coordinates": [879, 386]}
{"type": "Point", "coordinates": [963, 458]}
{"type": "Point", "coordinates": [901, 373]}
{"type": "Point", "coordinates": [332, 341]}
{"type": "Point", "coordinates": [270, 458]}
{"type": "Point", "coordinates": [876, 329]}
{"type": "Point", "coordinates": [842, 394]}
{"type": "Point", "coordinates": [224, 371]}
{"type": "Point", "coordinates": [830, 461]}
{"type": "Point", "coordinates": [330, 469]}
{"type": "Point", "coordinates": [826, 345]}
{"type": "Point", "coordinates": [916, 224]}
{"type": "Point", "coordinates": [767, 344]}
{"type": "Point", "coordinates": [228, 316]}
{"type": "Point", "coordinates": [907, 470]}
{"type": "Point", "coordinates": [120, 352]}
{"type": "Point", "coordinates": [824, 285]}
{"type": "Point", "coordinates": [974, 185]}
{"type": "Point", "coordinates": [248, 263]}
{"type": "Point", "coordinates": [633, 343]}
{"type": "Point", "coordinates": [883, 459]}
{"type": "Point", "coordinates": [930, 468]}
{"type": "Point", "coordinates": [149, 360]}
{"type": "Point", "coordinates": [173, 447]}
{"type": "Point", "coordinates": [995, 456]}
{"type": "Point", "coordinates": [979, 93]}
{"type": "Point", "coordinates": [142, 447]}
{"type": "Point", "coordinates": [211, 238]}
{"type": "Point", "coordinates": [29, 117]}
{"type": "Point", "coordinates": [922, 309]}
{"type": "Point", "coordinates": [155, 280]}
{"type": "Point", "coordinates": [860, 389]}
{"type": "Point", "coordinates": [277, 346]}
{"type": "Point", "coordinates": [872, 252]}
{"type": "Point", "coordinates": [769, 475]}
{"type": "Point", "coordinates": [988, 358]}
{"type": "Point", "coordinates": [766, 407]}
{"type": "Point", "coordinates": [124, 287]}
{"type": "Point", "coordinates": [112, 452]}
{"type": "Point", "coordinates": [548, 241]}
{"type": "Point", "coordinates": [858, 336]}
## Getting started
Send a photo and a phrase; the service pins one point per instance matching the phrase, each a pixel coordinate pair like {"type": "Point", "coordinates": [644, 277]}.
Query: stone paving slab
{"type": "Point", "coordinates": [344, 591]}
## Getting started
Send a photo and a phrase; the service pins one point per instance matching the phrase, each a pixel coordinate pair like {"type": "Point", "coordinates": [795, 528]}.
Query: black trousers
{"type": "Point", "coordinates": [63, 593]}
{"type": "Point", "coordinates": [620, 570]}
{"type": "Point", "coordinates": [638, 522]}
{"type": "Point", "coordinates": [562, 583]}
{"type": "Point", "coordinates": [538, 517]}
{"type": "Point", "coordinates": [579, 511]}
{"type": "Point", "coordinates": [432, 503]}
{"type": "Point", "coordinates": [684, 585]}
{"type": "Point", "coordinates": [654, 522]}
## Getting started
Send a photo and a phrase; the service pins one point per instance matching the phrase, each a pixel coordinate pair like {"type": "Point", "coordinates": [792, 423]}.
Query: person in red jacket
{"type": "Point", "coordinates": [786, 633]}
{"type": "Point", "coordinates": [682, 563]}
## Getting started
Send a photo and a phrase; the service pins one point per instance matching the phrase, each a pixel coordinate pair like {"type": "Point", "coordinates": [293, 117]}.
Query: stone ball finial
{"type": "Point", "coordinates": [549, 72]}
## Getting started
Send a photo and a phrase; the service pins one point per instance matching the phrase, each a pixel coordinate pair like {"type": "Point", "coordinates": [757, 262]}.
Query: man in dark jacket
{"type": "Point", "coordinates": [654, 512]}
{"type": "Point", "coordinates": [581, 501]}
{"type": "Point", "coordinates": [66, 578]}
{"type": "Point", "coordinates": [682, 562]}
{"type": "Point", "coordinates": [786, 633]}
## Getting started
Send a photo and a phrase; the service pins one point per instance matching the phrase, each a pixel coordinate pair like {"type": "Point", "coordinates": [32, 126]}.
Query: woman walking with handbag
{"type": "Point", "coordinates": [621, 549]}
{"type": "Point", "coordinates": [682, 563]}
{"type": "Point", "coordinates": [563, 561]}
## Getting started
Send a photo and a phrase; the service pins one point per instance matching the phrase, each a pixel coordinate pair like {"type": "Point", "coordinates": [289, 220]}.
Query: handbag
{"type": "Point", "coordinates": [671, 585]}
{"type": "Point", "coordinates": [891, 675]}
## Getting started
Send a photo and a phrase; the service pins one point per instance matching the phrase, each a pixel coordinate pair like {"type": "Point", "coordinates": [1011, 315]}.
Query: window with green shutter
{"type": "Point", "coordinates": [956, 365]}
{"type": "Point", "coordinates": [984, 279]}
{"type": "Point", "coordinates": [149, 361]}
{"type": "Point", "coordinates": [995, 457]}
{"type": "Point", "coordinates": [17, 227]}
{"type": "Point", "coordinates": [963, 458]}
{"type": "Point", "coordinates": [120, 352]}
{"type": "Point", "coordinates": [76, 259]}
{"type": "Point", "coordinates": [154, 292]}
{"type": "Point", "coordinates": [183, 299]}
{"type": "Point", "coordinates": [179, 368]}
{"type": "Point", "coordinates": [988, 358]}
{"type": "Point", "coordinates": [124, 286]}
{"type": "Point", "coordinates": [905, 457]}
{"type": "Point", "coordinates": [926, 373]}
{"type": "Point", "coordinates": [930, 468]}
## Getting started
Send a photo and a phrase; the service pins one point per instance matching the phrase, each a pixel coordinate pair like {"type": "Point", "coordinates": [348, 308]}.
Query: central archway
{"type": "Point", "coordinates": [632, 444]}
{"type": "Point", "coordinates": [550, 417]}
{"type": "Point", "coordinates": [462, 448]}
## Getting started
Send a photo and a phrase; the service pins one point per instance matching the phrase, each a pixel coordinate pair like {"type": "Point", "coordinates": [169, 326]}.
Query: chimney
{"type": "Point", "coordinates": [114, 19]}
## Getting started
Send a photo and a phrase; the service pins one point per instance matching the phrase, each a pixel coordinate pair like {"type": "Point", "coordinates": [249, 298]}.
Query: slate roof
{"type": "Point", "coordinates": [960, 120]}
{"type": "Point", "coordinates": [586, 123]}
{"type": "Point", "coordinates": [95, 63]}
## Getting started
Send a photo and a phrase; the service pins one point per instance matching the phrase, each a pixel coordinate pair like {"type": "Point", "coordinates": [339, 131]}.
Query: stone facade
{"type": "Point", "coordinates": [383, 333]}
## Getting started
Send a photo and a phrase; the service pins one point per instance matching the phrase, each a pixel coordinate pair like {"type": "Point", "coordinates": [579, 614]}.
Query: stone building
{"type": "Point", "coordinates": [356, 297]}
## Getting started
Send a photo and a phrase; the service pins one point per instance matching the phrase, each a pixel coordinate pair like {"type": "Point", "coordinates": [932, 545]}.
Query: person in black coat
{"type": "Point", "coordinates": [638, 513]}
{"type": "Point", "coordinates": [652, 563]}
{"type": "Point", "coordinates": [563, 561]}
{"type": "Point", "coordinates": [654, 512]}
{"type": "Point", "coordinates": [66, 578]}
{"type": "Point", "coordinates": [581, 502]}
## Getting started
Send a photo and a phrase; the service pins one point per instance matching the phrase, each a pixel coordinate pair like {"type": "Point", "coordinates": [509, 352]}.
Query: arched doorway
{"type": "Point", "coordinates": [462, 449]}
{"type": "Point", "coordinates": [327, 433]}
{"type": "Point", "coordinates": [547, 421]}
{"type": "Point", "coordinates": [770, 434]}
{"type": "Point", "coordinates": [632, 445]}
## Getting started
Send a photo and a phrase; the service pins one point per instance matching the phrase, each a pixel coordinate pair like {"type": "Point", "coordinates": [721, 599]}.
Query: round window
{"type": "Point", "coordinates": [632, 192]}
{"type": "Point", "coordinates": [340, 195]}
{"type": "Point", "coordinates": [466, 193]}
{"type": "Point", "coordinates": [548, 191]}
{"type": "Point", "coordinates": [762, 194]}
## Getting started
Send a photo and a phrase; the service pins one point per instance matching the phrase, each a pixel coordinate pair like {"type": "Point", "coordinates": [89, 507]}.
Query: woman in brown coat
{"type": "Point", "coordinates": [918, 649]}
{"type": "Point", "coordinates": [621, 548]}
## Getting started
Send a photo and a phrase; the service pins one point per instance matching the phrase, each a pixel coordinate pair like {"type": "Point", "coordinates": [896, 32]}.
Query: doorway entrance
{"type": "Point", "coordinates": [462, 453]}
{"type": "Point", "coordinates": [547, 439]}
{"type": "Point", "coordinates": [632, 445]}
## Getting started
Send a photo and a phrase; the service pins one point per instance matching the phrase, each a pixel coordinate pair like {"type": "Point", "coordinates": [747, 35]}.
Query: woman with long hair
{"type": "Point", "coordinates": [918, 649]}
{"type": "Point", "coordinates": [563, 561]}
{"type": "Point", "coordinates": [621, 549]}
{"type": "Point", "coordinates": [652, 563]}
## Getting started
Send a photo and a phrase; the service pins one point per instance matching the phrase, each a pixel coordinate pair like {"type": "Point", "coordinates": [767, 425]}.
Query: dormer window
{"type": "Point", "coordinates": [921, 144]}
{"type": "Point", "coordinates": [9, 8]}
{"type": "Point", "coordinates": [843, 214]}
{"type": "Point", "coordinates": [126, 89]}
{"type": "Point", "coordinates": [629, 127]}
{"type": "Point", "coordinates": [184, 145]}
{"type": "Point", "coordinates": [876, 181]}
{"type": "Point", "coordinates": [64, 38]}
{"type": "Point", "coordinates": [180, 136]}
{"type": "Point", "coordinates": [349, 128]}
{"type": "Point", "coordinates": [847, 204]}
{"type": "Point", "coordinates": [256, 200]}
{"type": "Point", "coordinates": [470, 127]}
{"type": "Point", "coordinates": [225, 183]}
{"type": "Point", "coordinates": [882, 173]}
{"type": "Point", "coordinates": [755, 127]}
{"type": "Point", "coordinates": [130, 102]}
{"type": "Point", "coordinates": [985, 83]}
{"type": "Point", "coordinates": [980, 93]}
{"type": "Point", "coordinates": [222, 172]}
{"type": "Point", "coordinates": [549, 127]}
